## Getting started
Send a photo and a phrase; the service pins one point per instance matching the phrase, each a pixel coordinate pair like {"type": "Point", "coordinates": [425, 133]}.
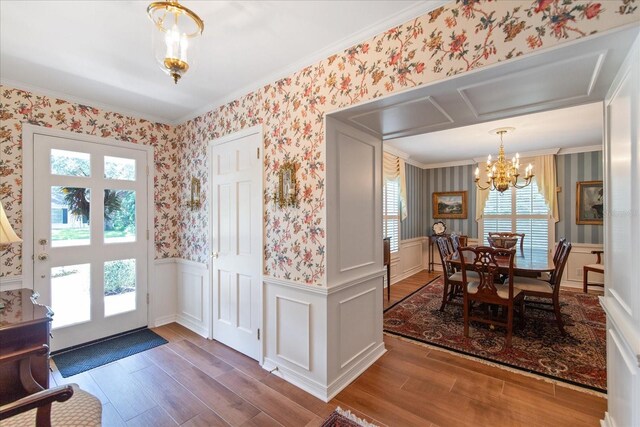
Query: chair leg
{"type": "Point", "coordinates": [509, 325]}
{"type": "Point", "coordinates": [585, 272]}
{"type": "Point", "coordinates": [445, 294]}
{"type": "Point", "coordinates": [556, 310]}
{"type": "Point", "coordinates": [465, 310]}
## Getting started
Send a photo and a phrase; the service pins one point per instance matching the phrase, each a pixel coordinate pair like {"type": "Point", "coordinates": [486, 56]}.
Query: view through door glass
{"type": "Point", "coordinates": [90, 237]}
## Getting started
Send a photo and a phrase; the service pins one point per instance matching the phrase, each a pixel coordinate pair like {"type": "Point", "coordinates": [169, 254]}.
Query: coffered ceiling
{"type": "Point", "coordinates": [100, 52]}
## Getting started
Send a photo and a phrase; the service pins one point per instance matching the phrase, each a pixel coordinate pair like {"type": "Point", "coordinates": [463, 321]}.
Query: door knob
{"type": "Point", "coordinates": [43, 257]}
{"type": "Point", "coordinates": [214, 255]}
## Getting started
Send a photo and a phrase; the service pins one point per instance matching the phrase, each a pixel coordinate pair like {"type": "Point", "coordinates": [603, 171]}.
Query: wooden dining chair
{"type": "Point", "coordinates": [598, 267]}
{"type": "Point", "coordinates": [506, 240]}
{"type": "Point", "coordinates": [548, 289]}
{"type": "Point", "coordinates": [452, 278]}
{"type": "Point", "coordinates": [457, 240]}
{"type": "Point", "coordinates": [487, 289]}
{"type": "Point", "coordinates": [63, 406]}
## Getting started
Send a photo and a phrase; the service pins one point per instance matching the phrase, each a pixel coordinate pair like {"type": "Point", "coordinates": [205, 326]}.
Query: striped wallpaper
{"type": "Point", "coordinates": [421, 183]}
{"type": "Point", "coordinates": [572, 168]}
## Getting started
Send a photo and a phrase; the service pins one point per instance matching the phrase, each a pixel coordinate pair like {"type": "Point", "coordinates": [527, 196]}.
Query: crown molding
{"type": "Point", "coordinates": [402, 16]}
{"type": "Point", "coordinates": [404, 156]}
{"type": "Point", "coordinates": [465, 162]}
{"type": "Point", "coordinates": [584, 149]}
{"type": "Point", "coordinates": [77, 100]}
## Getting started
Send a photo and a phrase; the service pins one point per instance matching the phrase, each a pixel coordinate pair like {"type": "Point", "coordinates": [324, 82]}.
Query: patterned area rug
{"type": "Point", "coordinates": [579, 358]}
{"type": "Point", "coordinates": [342, 418]}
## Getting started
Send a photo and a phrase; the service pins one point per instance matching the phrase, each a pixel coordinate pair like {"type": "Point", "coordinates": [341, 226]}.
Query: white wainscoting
{"type": "Point", "coordinates": [295, 333]}
{"type": "Point", "coordinates": [193, 296]}
{"type": "Point", "coordinates": [320, 339]}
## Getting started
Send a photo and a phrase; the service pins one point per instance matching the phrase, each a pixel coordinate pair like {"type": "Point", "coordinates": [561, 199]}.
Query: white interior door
{"type": "Point", "coordinates": [90, 237]}
{"type": "Point", "coordinates": [236, 218]}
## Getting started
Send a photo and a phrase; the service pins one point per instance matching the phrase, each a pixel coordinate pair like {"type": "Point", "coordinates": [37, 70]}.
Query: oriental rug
{"type": "Point", "coordinates": [342, 418]}
{"type": "Point", "coordinates": [578, 358]}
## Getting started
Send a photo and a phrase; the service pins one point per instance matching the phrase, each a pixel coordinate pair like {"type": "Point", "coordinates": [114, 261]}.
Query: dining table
{"type": "Point", "coordinates": [529, 262]}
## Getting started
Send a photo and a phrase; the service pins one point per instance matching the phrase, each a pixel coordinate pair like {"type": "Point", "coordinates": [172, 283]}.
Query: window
{"type": "Point", "coordinates": [391, 212]}
{"type": "Point", "coordinates": [518, 210]}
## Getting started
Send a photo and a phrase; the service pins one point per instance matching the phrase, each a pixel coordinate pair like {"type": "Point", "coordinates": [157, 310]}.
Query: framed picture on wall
{"type": "Point", "coordinates": [450, 205]}
{"type": "Point", "coordinates": [589, 202]}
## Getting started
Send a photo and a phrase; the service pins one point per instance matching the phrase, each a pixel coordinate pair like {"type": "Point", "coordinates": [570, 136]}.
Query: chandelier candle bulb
{"type": "Point", "coordinates": [503, 174]}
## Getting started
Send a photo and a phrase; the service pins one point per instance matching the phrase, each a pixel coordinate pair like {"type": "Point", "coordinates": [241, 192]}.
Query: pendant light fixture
{"type": "Point", "coordinates": [176, 31]}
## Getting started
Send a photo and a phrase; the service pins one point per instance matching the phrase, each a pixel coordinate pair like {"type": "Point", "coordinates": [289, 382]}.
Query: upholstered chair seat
{"type": "Point", "coordinates": [530, 284]}
{"type": "Point", "coordinates": [502, 289]}
{"type": "Point", "coordinates": [82, 409]}
{"type": "Point", "coordinates": [457, 277]}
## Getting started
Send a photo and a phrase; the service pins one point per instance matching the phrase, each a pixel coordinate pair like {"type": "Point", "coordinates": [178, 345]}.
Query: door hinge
{"type": "Point", "coordinates": [258, 153]}
{"type": "Point", "coordinates": [258, 333]}
{"type": "Point", "coordinates": [147, 298]}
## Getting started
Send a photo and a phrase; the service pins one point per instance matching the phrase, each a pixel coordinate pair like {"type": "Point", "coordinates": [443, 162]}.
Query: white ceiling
{"type": "Point", "coordinates": [100, 52]}
{"type": "Point", "coordinates": [578, 126]}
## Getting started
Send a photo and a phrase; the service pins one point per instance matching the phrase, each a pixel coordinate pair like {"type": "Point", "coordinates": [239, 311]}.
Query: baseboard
{"type": "Point", "coordinates": [164, 320]}
{"type": "Point", "coordinates": [606, 421]}
{"type": "Point", "coordinates": [198, 329]}
{"type": "Point", "coordinates": [355, 371]}
{"type": "Point", "coordinates": [406, 274]}
{"type": "Point", "coordinates": [310, 386]}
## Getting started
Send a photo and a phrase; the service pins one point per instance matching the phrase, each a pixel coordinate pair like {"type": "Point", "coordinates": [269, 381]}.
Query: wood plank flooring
{"type": "Point", "coordinates": [196, 382]}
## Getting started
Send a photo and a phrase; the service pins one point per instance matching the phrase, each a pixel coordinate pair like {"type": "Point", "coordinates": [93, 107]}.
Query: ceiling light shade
{"type": "Point", "coordinates": [176, 32]}
{"type": "Point", "coordinates": [503, 174]}
{"type": "Point", "coordinates": [7, 235]}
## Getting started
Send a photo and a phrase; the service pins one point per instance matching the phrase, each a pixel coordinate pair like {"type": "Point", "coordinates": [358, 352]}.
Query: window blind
{"type": "Point", "coordinates": [391, 212]}
{"type": "Point", "coordinates": [521, 211]}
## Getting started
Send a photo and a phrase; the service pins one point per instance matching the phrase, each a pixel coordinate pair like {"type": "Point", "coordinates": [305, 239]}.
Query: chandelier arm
{"type": "Point", "coordinates": [482, 188]}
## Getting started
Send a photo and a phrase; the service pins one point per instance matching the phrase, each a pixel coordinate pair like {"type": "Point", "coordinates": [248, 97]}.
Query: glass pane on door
{"type": "Point", "coordinates": [70, 213]}
{"type": "Point", "coordinates": [119, 286]}
{"type": "Point", "coordinates": [119, 216]}
{"type": "Point", "coordinates": [70, 294]}
{"type": "Point", "coordinates": [119, 168]}
{"type": "Point", "coordinates": [70, 163]}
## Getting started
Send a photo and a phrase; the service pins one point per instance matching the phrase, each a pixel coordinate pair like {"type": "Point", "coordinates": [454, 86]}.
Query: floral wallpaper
{"type": "Point", "coordinates": [454, 39]}
{"type": "Point", "coordinates": [462, 36]}
{"type": "Point", "coordinates": [18, 107]}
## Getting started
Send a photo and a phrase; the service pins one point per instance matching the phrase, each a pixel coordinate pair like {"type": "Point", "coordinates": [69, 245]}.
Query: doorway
{"type": "Point", "coordinates": [90, 234]}
{"type": "Point", "coordinates": [237, 240]}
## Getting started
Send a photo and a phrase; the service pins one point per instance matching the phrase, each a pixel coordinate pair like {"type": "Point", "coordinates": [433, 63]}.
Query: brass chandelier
{"type": "Point", "coordinates": [503, 174]}
{"type": "Point", "coordinates": [177, 30]}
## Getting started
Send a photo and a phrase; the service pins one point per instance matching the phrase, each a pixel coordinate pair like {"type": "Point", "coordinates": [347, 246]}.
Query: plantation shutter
{"type": "Point", "coordinates": [391, 212]}
{"type": "Point", "coordinates": [521, 211]}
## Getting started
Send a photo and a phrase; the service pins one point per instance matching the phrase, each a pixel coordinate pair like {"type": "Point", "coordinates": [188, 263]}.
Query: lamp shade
{"type": "Point", "coordinates": [7, 235]}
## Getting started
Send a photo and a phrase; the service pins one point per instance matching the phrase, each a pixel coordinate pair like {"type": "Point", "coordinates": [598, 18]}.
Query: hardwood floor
{"type": "Point", "coordinates": [196, 382]}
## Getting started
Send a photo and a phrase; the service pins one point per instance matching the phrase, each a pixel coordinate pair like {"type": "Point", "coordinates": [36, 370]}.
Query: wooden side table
{"type": "Point", "coordinates": [23, 323]}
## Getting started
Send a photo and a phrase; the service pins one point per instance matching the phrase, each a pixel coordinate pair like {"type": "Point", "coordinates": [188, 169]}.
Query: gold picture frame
{"type": "Point", "coordinates": [589, 203]}
{"type": "Point", "coordinates": [287, 194]}
{"type": "Point", "coordinates": [449, 205]}
{"type": "Point", "coordinates": [195, 202]}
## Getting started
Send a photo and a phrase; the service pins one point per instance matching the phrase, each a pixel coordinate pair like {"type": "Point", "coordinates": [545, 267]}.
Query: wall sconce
{"type": "Point", "coordinates": [287, 194]}
{"type": "Point", "coordinates": [195, 203]}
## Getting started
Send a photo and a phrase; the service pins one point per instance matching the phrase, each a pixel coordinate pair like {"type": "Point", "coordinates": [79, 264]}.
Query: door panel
{"type": "Point", "coordinates": [90, 237]}
{"type": "Point", "coordinates": [237, 242]}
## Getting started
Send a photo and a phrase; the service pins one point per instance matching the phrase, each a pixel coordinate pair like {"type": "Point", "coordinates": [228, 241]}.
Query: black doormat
{"type": "Point", "coordinates": [91, 356]}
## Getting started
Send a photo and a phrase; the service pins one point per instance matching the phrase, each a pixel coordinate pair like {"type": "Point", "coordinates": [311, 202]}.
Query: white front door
{"type": "Point", "coordinates": [90, 237]}
{"type": "Point", "coordinates": [236, 218]}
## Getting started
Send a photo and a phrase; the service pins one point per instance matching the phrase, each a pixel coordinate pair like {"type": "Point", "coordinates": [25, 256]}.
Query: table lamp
{"type": "Point", "coordinates": [7, 235]}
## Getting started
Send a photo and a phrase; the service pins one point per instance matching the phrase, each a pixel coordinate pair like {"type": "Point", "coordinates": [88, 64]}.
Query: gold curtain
{"type": "Point", "coordinates": [393, 168]}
